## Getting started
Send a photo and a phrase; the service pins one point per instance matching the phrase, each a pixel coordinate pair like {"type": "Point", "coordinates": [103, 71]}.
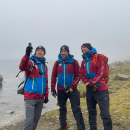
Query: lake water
{"type": "Point", "coordinates": [10, 100]}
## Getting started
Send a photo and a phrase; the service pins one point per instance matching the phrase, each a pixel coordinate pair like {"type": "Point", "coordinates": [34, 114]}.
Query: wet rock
{"type": "Point", "coordinates": [121, 77]}
{"type": "Point", "coordinates": [1, 79]}
{"type": "Point", "coordinates": [112, 68]}
{"type": "Point", "coordinates": [10, 112]}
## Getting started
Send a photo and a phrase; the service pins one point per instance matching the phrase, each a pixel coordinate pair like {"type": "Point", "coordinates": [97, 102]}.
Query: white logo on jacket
{"type": "Point", "coordinates": [36, 66]}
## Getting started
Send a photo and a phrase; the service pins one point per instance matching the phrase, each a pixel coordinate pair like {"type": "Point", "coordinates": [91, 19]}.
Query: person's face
{"type": "Point", "coordinates": [64, 54]}
{"type": "Point", "coordinates": [40, 53]}
{"type": "Point", "coordinates": [84, 49]}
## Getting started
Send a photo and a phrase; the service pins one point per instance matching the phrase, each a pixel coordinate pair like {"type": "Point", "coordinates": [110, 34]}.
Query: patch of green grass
{"type": "Point", "coordinates": [120, 106]}
{"type": "Point", "coordinates": [82, 89]}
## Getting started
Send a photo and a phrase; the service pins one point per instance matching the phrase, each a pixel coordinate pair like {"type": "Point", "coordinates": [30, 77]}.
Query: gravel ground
{"type": "Point", "coordinates": [50, 121]}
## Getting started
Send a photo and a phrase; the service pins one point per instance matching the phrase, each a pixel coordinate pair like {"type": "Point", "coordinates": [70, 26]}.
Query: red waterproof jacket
{"type": "Point", "coordinates": [37, 84]}
{"type": "Point", "coordinates": [65, 74]}
{"type": "Point", "coordinates": [91, 73]}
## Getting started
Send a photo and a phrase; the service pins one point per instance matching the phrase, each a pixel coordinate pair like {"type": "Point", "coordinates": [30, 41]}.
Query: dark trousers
{"type": "Point", "coordinates": [102, 98]}
{"type": "Point", "coordinates": [75, 105]}
{"type": "Point", "coordinates": [33, 108]}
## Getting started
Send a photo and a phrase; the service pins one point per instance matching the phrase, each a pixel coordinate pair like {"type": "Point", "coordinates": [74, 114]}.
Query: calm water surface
{"type": "Point", "coordinates": [10, 100]}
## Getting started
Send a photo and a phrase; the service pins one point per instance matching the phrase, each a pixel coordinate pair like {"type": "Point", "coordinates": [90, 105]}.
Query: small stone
{"type": "Point", "coordinates": [10, 112]}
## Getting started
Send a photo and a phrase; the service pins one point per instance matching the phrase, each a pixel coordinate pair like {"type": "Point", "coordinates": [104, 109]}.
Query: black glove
{"type": "Point", "coordinates": [89, 87]}
{"type": "Point", "coordinates": [53, 92]}
{"type": "Point", "coordinates": [46, 100]}
{"type": "Point", "coordinates": [69, 90]}
{"type": "Point", "coordinates": [28, 50]}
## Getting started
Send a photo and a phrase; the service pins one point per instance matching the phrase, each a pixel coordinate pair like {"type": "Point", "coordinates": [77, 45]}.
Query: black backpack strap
{"type": "Point", "coordinates": [32, 65]}
{"type": "Point", "coordinates": [18, 73]}
{"type": "Point", "coordinates": [74, 62]}
{"type": "Point", "coordinates": [58, 62]}
{"type": "Point", "coordinates": [31, 68]}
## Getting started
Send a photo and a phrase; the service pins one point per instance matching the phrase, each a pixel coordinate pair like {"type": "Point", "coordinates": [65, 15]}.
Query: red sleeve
{"type": "Point", "coordinates": [54, 76]}
{"type": "Point", "coordinates": [25, 63]}
{"type": "Point", "coordinates": [101, 71]}
{"type": "Point", "coordinates": [82, 76]}
{"type": "Point", "coordinates": [77, 75]}
{"type": "Point", "coordinates": [46, 75]}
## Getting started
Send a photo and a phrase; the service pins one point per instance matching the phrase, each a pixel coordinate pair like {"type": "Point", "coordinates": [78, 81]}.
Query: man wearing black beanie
{"type": "Point", "coordinates": [42, 48]}
{"type": "Point", "coordinates": [66, 48]}
{"type": "Point", "coordinates": [66, 71]}
{"type": "Point", "coordinates": [36, 87]}
{"type": "Point", "coordinates": [93, 74]}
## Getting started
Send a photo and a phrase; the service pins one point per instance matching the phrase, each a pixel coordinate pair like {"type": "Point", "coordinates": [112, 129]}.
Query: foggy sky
{"type": "Point", "coordinates": [53, 23]}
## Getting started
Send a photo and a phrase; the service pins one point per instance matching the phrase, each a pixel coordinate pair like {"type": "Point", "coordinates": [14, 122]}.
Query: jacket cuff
{"type": "Point", "coordinates": [46, 96]}
{"type": "Point", "coordinates": [72, 86]}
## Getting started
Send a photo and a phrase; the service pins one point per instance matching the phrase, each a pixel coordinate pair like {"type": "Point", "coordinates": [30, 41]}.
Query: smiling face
{"type": "Point", "coordinates": [40, 53]}
{"type": "Point", "coordinates": [84, 49]}
{"type": "Point", "coordinates": [64, 54]}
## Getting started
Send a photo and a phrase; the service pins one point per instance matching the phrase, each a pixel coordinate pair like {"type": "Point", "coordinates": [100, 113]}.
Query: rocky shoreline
{"type": "Point", "coordinates": [119, 89]}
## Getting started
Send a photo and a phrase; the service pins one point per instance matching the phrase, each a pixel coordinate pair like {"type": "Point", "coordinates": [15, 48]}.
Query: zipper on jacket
{"type": "Point", "coordinates": [72, 77]}
{"type": "Point", "coordinates": [87, 66]}
{"type": "Point", "coordinates": [33, 83]}
{"type": "Point", "coordinates": [42, 79]}
{"type": "Point", "coordinates": [64, 75]}
{"type": "Point", "coordinates": [87, 63]}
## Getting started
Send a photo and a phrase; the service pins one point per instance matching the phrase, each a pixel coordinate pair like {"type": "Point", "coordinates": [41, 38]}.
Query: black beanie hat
{"type": "Point", "coordinates": [64, 47]}
{"type": "Point", "coordinates": [40, 47]}
{"type": "Point", "coordinates": [88, 45]}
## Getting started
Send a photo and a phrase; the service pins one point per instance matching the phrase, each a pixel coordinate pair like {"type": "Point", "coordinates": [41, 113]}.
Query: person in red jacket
{"type": "Point", "coordinates": [36, 87]}
{"type": "Point", "coordinates": [97, 91]}
{"type": "Point", "coordinates": [66, 71]}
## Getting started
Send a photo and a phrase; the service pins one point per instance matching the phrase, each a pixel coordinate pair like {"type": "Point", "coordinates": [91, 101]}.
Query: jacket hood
{"type": "Point", "coordinates": [87, 56]}
{"type": "Point", "coordinates": [93, 50]}
{"type": "Point", "coordinates": [37, 59]}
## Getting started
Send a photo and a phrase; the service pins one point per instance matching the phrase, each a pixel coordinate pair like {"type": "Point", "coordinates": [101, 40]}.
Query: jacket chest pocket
{"type": "Point", "coordinates": [59, 69]}
{"type": "Point", "coordinates": [32, 74]}
{"type": "Point", "coordinates": [70, 69]}
{"type": "Point", "coordinates": [93, 67]}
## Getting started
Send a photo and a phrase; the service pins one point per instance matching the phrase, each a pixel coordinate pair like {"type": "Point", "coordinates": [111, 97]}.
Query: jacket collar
{"type": "Point", "coordinates": [89, 55]}
{"type": "Point", "coordinates": [68, 60]}
{"type": "Point", "coordinates": [38, 60]}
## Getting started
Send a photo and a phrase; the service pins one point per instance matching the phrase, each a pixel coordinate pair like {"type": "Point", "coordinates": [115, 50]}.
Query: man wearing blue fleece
{"type": "Point", "coordinates": [66, 71]}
